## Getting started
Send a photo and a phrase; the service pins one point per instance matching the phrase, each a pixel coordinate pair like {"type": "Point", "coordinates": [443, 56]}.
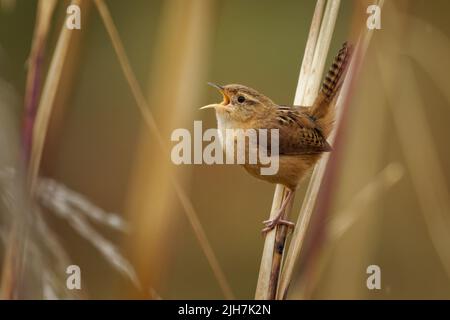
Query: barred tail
{"type": "Point", "coordinates": [333, 80]}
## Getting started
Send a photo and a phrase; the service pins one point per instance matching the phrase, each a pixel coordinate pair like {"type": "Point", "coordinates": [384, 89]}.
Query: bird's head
{"type": "Point", "coordinates": [240, 103]}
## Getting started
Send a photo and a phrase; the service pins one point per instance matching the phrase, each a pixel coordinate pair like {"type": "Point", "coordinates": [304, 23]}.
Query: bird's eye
{"type": "Point", "coordinates": [241, 99]}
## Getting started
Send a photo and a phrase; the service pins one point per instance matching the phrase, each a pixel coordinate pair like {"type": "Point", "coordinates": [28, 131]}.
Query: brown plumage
{"type": "Point", "coordinates": [302, 130]}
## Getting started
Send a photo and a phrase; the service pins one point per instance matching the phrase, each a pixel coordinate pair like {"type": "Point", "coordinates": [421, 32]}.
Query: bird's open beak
{"type": "Point", "coordinates": [210, 106]}
{"type": "Point", "coordinates": [218, 87]}
{"type": "Point", "coordinates": [226, 99]}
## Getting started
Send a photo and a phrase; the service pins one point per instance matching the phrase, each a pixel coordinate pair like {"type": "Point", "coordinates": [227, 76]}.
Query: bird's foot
{"type": "Point", "coordinates": [272, 223]}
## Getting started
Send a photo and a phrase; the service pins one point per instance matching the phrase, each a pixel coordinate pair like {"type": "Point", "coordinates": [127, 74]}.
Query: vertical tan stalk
{"type": "Point", "coordinates": [44, 15]}
{"type": "Point", "coordinates": [309, 201]}
{"type": "Point", "coordinates": [12, 266]}
{"type": "Point", "coordinates": [13, 262]}
{"type": "Point", "coordinates": [175, 85]}
{"type": "Point", "coordinates": [308, 85]}
{"type": "Point", "coordinates": [419, 147]}
{"type": "Point", "coordinates": [150, 122]}
{"type": "Point", "coordinates": [46, 104]}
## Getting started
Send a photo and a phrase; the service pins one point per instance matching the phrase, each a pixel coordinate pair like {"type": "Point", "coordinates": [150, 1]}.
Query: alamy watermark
{"type": "Point", "coordinates": [73, 281]}
{"type": "Point", "coordinates": [73, 19]}
{"type": "Point", "coordinates": [258, 147]}
{"type": "Point", "coordinates": [374, 278]}
{"type": "Point", "coordinates": [374, 20]}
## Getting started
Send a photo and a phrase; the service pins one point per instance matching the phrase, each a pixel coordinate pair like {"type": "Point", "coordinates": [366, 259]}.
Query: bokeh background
{"type": "Point", "coordinates": [390, 203]}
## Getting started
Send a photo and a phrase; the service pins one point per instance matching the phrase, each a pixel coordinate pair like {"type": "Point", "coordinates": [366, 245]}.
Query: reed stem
{"type": "Point", "coordinates": [307, 88]}
{"type": "Point", "coordinates": [151, 124]}
{"type": "Point", "coordinates": [312, 192]}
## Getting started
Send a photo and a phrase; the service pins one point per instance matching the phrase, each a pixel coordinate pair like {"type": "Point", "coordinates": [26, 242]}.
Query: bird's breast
{"type": "Point", "coordinates": [223, 123]}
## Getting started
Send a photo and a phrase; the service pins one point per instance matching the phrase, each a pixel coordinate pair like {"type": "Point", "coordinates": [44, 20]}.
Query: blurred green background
{"type": "Point", "coordinates": [98, 145]}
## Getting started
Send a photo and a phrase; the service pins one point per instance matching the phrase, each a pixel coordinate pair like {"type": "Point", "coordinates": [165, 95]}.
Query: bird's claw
{"type": "Point", "coordinates": [272, 223]}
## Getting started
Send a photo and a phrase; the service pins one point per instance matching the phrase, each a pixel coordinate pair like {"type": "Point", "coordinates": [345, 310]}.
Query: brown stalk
{"type": "Point", "coordinates": [47, 101]}
{"type": "Point", "coordinates": [418, 145]}
{"type": "Point", "coordinates": [175, 85]}
{"type": "Point", "coordinates": [355, 211]}
{"type": "Point", "coordinates": [318, 175]}
{"type": "Point", "coordinates": [44, 15]}
{"type": "Point", "coordinates": [12, 265]}
{"type": "Point", "coordinates": [153, 127]}
{"type": "Point", "coordinates": [309, 81]}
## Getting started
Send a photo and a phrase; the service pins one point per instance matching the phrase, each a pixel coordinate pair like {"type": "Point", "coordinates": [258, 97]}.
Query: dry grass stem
{"type": "Point", "coordinates": [301, 97]}
{"type": "Point", "coordinates": [310, 76]}
{"type": "Point", "coordinates": [47, 100]}
{"type": "Point", "coordinates": [354, 211]}
{"type": "Point", "coordinates": [175, 86]}
{"type": "Point", "coordinates": [13, 263]}
{"type": "Point", "coordinates": [150, 122]}
{"type": "Point", "coordinates": [44, 15]}
{"type": "Point", "coordinates": [265, 270]}
{"type": "Point", "coordinates": [11, 267]}
{"type": "Point", "coordinates": [76, 208]}
{"type": "Point", "coordinates": [418, 145]}
{"type": "Point", "coordinates": [348, 216]}
{"type": "Point", "coordinates": [66, 202]}
{"type": "Point", "coordinates": [72, 206]}
{"type": "Point", "coordinates": [309, 201]}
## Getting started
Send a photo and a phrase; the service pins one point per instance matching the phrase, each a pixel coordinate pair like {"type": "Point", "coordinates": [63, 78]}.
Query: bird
{"type": "Point", "coordinates": [302, 131]}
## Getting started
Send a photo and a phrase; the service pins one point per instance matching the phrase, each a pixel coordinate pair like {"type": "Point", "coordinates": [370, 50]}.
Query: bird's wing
{"type": "Point", "coordinates": [298, 132]}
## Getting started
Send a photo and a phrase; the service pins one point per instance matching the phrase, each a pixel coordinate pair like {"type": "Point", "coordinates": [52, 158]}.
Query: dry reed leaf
{"type": "Point", "coordinates": [35, 62]}
{"type": "Point", "coordinates": [184, 31]}
{"type": "Point", "coordinates": [43, 252]}
{"type": "Point", "coordinates": [57, 197]}
{"type": "Point", "coordinates": [153, 127]}
{"type": "Point", "coordinates": [46, 103]}
{"type": "Point", "coordinates": [310, 76]}
{"type": "Point", "coordinates": [13, 202]}
{"type": "Point", "coordinates": [265, 270]}
{"type": "Point", "coordinates": [309, 201]}
{"type": "Point", "coordinates": [13, 259]}
{"type": "Point", "coordinates": [346, 218]}
{"type": "Point", "coordinates": [74, 208]}
{"type": "Point", "coordinates": [63, 201]}
{"type": "Point", "coordinates": [418, 145]}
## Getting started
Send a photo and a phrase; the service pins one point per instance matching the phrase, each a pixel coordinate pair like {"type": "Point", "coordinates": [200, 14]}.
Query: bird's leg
{"type": "Point", "coordinates": [272, 223]}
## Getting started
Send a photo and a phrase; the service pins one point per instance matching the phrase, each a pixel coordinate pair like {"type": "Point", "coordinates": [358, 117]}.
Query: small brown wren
{"type": "Point", "coordinates": [302, 130]}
